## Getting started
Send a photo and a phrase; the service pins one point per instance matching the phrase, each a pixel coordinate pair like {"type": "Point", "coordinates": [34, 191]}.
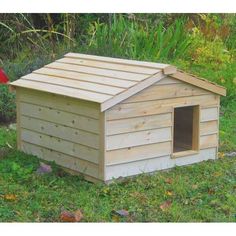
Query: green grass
{"type": "Point", "coordinates": [198, 193]}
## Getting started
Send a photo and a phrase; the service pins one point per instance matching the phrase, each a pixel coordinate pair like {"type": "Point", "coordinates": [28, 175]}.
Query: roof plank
{"type": "Point", "coordinates": [98, 71]}
{"type": "Point", "coordinates": [118, 60]}
{"type": "Point", "coordinates": [98, 88]}
{"type": "Point", "coordinates": [109, 66]}
{"type": "Point", "coordinates": [65, 91]}
{"type": "Point", "coordinates": [199, 83]}
{"type": "Point", "coordinates": [85, 77]}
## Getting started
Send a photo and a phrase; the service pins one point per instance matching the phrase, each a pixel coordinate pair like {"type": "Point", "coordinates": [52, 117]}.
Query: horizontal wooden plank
{"type": "Point", "coordinates": [200, 83]}
{"type": "Point", "coordinates": [59, 145]}
{"type": "Point", "coordinates": [138, 153]}
{"type": "Point", "coordinates": [117, 60]}
{"type": "Point", "coordinates": [138, 123]}
{"type": "Point", "coordinates": [154, 164]}
{"type": "Point", "coordinates": [208, 127]}
{"type": "Point", "coordinates": [208, 114]}
{"type": "Point", "coordinates": [80, 107]}
{"type": "Point", "coordinates": [165, 92]}
{"type": "Point", "coordinates": [138, 138]}
{"type": "Point", "coordinates": [57, 89]}
{"type": "Point", "coordinates": [86, 77]}
{"type": "Point", "coordinates": [70, 162]}
{"type": "Point", "coordinates": [60, 117]}
{"type": "Point", "coordinates": [65, 82]}
{"type": "Point", "coordinates": [98, 71]}
{"type": "Point", "coordinates": [107, 65]}
{"type": "Point", "coordinates": [60, 131]}
{"type": "Point", "coordinates": [208, 141]}
{"type": "Point", "coordinates": [127, 110]}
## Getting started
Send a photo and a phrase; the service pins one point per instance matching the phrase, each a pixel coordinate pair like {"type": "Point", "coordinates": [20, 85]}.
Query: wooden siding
{"type": "Point", "coordinates": [160, 163]}
{"type": "Point", "coordinates": [60, 117]}
{"type": "Point", "coordinates": [65, 160]}
{"type": "Point", "coordinates": [63, 130]}
{"type": "Point", "coordinates": [163, 91]}
{"type": "Point", "coordinates": [79, 107]}
{"type": "Point", "coordinates": [138, 123]}
{"type": "Point", "coordinates": [142, 152]}
{"type": "Point", "coordinates": [139, 130]}
{"type": "Point", "coordinates": [127, 110]}
{"type": "Point", "coordinates": [138, 138]}
{"type": "Point", "coordinates": [60, 131]}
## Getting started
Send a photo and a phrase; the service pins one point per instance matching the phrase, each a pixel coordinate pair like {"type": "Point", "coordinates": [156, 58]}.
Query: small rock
{"type": "Point", "coordinates": [230, 154]}
{"type": "Point", "coordinates": [12, 126]}
{"type": "Point", "coordinates": [44, 168]}
{"type": "Point", "coordinates": [121, 213]}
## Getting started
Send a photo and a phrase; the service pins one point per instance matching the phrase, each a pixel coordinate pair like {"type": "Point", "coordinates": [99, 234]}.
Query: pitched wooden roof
{"type": "Point", "coordinates": [104, 80]}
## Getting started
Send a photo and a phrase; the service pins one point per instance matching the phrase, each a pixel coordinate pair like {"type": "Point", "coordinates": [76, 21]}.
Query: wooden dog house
{"type": "Point", "coordinates": [106, 117]}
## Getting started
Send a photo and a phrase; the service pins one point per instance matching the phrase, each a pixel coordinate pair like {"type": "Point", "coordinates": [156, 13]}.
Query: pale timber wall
{"type": "Point", "coordinates": [60, 129]}
{"type": "Point", "coordinates": [139, 130]}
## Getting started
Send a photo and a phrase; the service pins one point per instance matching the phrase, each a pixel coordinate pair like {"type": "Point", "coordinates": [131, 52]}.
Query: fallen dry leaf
{"type": "Point", "coordinates": [165, 205]}
{"type": "Point", "coordinates": [10, 197]}
{"type": "Point", "coordinates": [169, 193]}
{"type": "Point", "coordinates": [217, 174]}
{"type": "Point", "coordinates": [195, 186]}
{"type": "Point", "coordinates": [67, 216]}
{"type": "Point", "coordinates": [115, 218]}
{"type": "Point", "coordinates": [78, 215]}
{"type": "Point", "coordinates": [221, 155]}
{"type": "Point", "coordinates": [168, 181]}
{"type": "Point", "coordinates": [211, 191]}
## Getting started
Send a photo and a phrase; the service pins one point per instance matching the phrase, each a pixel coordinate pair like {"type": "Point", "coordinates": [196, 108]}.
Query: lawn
{"type": "Point", "coordinates": [203, 192]}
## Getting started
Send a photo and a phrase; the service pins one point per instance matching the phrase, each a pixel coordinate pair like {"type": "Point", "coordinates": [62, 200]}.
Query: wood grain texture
{"type": "Point", "coordinates": [65, 82]}
{"type": "Point", "coordinates": [18, 119]}
{"type": "Point", "coordinates": [168, 80]}
{"type": "Point", "coordinates": [58, 102]}
{"type": "Point", "coordinates": [131, 91]}
{"type": "Point", "coordinates": [60, 145]}
{"type": "Point", "coordinates": [110, 66]}
{"type": "Point", "coordinates": [200, 83]}
{"type": "Point", "coordinates": [60, 117]}
{"type": "Point", "coordinates": [102, 147]}
{"type": "Point", "coordinates": [138, 138]}
{"type": "Point", "coordinates": [208, 114]}
{"type": "Point", "coordinates": [138, 123]}
{"type": "Point", "coordinates": [159, 163]}
{"type": "Point", "coordinates": [142, 152]}
{"type": "Point", "coordinates": [196, 128]}
{"type": "Point", "coordinates": [70, 162]}
{"type": "Point", "coordinates": [166, 91]}
{"type": "Point", "coordinates": [98, 71]}
{"type": "Point", "coordinates": [127, 110]}
{"type": "Point", "coordinates": [85, 77]}
{"type": "Point", "coordinates": [208, 141]}
{"type": "Point", "coordinates": [60, 131]}
{"type": "Point", "coordinates": [61, 90]}
{"type": "Point", "coordinates": [117, 60]}
{"type": "Point", "coordinates": [208, 127]}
